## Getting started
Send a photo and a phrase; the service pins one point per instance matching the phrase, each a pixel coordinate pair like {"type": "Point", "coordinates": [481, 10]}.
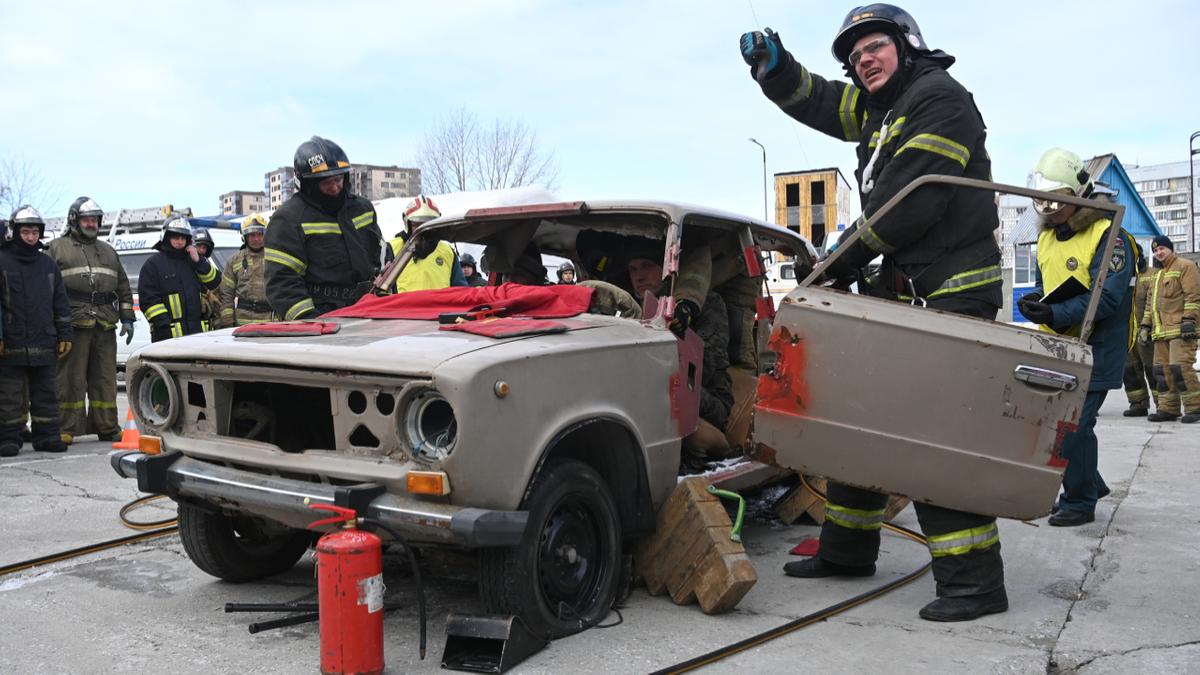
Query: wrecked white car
{"type": "Point", "coordinates": [544, 438]}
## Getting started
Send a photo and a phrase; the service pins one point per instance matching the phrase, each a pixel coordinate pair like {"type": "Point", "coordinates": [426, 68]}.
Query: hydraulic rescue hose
{"type": "Point", "coordinates": [807, 620]}
{"type": "Point", "coordinates": [148, 525]}
{"type": "Point", "coordinates": [150, 530]}
{"type": "Point", "coordinates": [416, 570]}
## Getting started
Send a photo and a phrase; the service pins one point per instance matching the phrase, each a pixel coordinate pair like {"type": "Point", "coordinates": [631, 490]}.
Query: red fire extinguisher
{"type": "Point", "coordinates": [350, 590]}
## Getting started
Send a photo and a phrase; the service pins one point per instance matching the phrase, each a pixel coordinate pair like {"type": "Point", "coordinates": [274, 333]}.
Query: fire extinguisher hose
{"type": "Point", "coordinates": [416, 570]}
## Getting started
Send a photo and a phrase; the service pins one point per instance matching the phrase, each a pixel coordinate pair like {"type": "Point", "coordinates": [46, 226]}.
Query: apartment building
{"type": "Point", "coordinates": [242, 202]}
{"type": "Point", "coordinates": [1165, 189]}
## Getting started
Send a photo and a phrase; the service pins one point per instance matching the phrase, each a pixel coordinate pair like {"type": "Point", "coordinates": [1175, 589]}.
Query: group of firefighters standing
{"type": "Point", "coordinates": [319, 252]}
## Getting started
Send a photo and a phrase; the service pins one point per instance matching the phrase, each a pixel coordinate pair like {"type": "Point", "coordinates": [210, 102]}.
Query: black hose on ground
{"type": "Point", "coordinates": [84, 550]}
{"type": "Point", "coordinates": [147, 525]}
{"type": "Point", "coordinates": [416, 570]}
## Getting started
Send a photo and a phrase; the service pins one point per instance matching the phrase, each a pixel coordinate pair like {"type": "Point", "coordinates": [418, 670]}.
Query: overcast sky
{"type": "Point", "coordinates": [146, 103]}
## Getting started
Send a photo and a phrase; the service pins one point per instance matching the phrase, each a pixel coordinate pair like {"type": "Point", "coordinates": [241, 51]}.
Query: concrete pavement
{"type": "Point", "coordinates": [1119, 595]}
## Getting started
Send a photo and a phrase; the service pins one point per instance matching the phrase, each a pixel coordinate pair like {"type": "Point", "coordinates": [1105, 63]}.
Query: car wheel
{"type": "Point", "coordinates": [565, 574]}
{"type": "Point", "coordinates": [239, 548]}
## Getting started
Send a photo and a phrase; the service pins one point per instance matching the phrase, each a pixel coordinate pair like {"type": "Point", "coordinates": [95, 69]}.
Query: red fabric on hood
{"type": "Point", "coordinates": [286, 329]}
{"type": "Point", "coordinates": [506, 328]}
{"type": "Point", "coordinates": [539, 302]}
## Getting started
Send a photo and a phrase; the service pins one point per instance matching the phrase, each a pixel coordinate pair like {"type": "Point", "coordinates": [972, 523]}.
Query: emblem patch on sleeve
{"type": "Point", "coordinates": [1118, 257]}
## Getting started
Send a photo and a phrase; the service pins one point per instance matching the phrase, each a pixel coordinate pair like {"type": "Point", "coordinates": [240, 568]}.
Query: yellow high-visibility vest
{"type": "Point", "coordinates": [432, 271]}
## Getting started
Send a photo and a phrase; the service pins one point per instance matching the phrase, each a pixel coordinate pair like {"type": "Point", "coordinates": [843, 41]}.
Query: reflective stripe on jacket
{"type": "Point", "coordinates": [91, 266]}
{"type": "Point", "coordinates": [931, 127]}
{"type": "Point", "coordinates": [169, 289]}
{"type": "Point", "coordinates": [307, 247]}
{"type": "Point", "coordinates": [1175, 298]}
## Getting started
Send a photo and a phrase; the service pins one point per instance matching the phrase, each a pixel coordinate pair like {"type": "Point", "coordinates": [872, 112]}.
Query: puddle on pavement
{"type": "Point", "coordinates": [134, 576]}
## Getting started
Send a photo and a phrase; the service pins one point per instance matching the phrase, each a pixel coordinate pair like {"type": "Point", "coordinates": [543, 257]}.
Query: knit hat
{"type": "Point", "coordinates": [1162, 240]}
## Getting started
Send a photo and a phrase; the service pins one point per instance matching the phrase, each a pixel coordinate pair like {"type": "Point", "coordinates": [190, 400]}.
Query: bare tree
{"type": "Point", "coordinates": [460, 154]}
{"type": "Point", "coordinates": [21, 183]}
{"type": "Point", "coordinates": [446, 153]}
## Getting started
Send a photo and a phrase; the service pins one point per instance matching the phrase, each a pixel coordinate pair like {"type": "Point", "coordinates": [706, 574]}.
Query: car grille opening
{"type": "Point", "coordinates": [292, 417]}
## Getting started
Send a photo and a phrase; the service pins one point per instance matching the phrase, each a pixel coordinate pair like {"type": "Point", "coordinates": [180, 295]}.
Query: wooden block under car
{"type": "Point", "coordinates": [690, 555]}
{"type": "Point", "coordinates": [800, 501]}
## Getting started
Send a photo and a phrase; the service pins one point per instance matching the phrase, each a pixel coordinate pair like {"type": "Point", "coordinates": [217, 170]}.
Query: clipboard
{"type": "Point", "coordinates": [1065, 291]}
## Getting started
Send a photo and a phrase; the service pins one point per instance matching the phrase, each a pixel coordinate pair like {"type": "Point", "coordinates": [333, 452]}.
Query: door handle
{"type": "Point", "coordinates": [1046, 378]}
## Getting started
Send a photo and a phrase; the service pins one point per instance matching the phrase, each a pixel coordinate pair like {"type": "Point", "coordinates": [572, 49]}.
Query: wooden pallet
{"type": "Point", "coordinates": [800, 501]}
{"type": "Point", "coordinates": [690, 556]}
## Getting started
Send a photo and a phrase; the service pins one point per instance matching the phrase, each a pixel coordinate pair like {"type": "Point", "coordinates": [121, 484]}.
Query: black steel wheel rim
{"type": "Point", "coordinates": [571, 564]}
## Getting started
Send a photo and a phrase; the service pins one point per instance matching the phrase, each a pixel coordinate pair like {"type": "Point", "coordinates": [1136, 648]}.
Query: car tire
{"type": "Point", "coordinates": [239, 548]}
{"type": "Point", "coordinates": [565, 574]}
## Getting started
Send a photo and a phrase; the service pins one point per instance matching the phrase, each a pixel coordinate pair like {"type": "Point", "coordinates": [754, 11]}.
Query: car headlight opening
{"type": "Point", "coordinates": [431, 426]}
{"type": "Point", "coordinates": [156, 397]}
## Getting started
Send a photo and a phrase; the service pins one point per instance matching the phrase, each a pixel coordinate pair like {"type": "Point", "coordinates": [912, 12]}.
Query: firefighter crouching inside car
{"type": "Point", "coordinates": [37, 332]}
{"type": "Point", "coordinates": [323, 244]}
{"type": "Point", "coordinates": [172, 282]}
{"type": "Point", "coordinates": [908, 118]}
{"type": "Point", "coordinates": [100, 297]}
{"type": "Point", "coordinates": [643, 259]}
{"type": "Point", "coordinates": [1069, 236]}
{"type": "Point", "coordinates": [244, 280]}
{"type": "Point", "coordinates": [434, 264]}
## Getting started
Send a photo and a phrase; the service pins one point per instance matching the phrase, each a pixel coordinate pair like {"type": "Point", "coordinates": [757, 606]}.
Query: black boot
{"type": "Point", "coordinates": [815, 568]}
{"type": "Point", "coordinates": [54, 445]}
{"type": "Point", "coordinates": [1161, 416]}
{"type": "Point", "coordinates": [966, 608]}
{"type": "Point", "coordinates": [1190, 418]}
{"type": "Point", "coordinates": [9, 449]}
{"type": "Point", "coordinates": [1135, 411]}
{"type": "Point", "coordinates": [1070, 518]}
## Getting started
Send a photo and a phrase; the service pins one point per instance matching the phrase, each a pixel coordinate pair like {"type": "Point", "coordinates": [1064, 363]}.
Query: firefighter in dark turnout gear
{"type": "Point", "coordinates": [324, 244]}
{"type": "Point", "coordinates": [37, 332]}
{"type": "Point", "coordinates": [100, 299]}
{"type": "Point", "coordinates": [172, 281]}
{"type": "Point", "coordinates": [470, 270]}
{"type": "Point", "coordinates": [909, 118]}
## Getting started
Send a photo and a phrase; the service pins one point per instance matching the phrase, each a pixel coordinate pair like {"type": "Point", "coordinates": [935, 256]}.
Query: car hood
{"type": "Point", "coordinates": [389, 346]}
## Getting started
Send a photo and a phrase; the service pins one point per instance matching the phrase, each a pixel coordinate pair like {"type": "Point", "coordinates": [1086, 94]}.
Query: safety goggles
{"type": "Point", "coordinates": [871, 48]}
{"type": "Point", "coordinates": [1047, 208]}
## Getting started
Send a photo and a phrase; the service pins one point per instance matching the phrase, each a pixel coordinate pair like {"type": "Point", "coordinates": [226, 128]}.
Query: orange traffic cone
{"type": "Point", "coordinates": [129, 435]}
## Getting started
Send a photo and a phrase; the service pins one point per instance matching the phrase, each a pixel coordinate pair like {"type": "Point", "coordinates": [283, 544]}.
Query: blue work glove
{"type": "Point", "coordinates": [762, 52]}
{"type": "Point", "coordinates": [1037, 312]}
{"type": "Point", "coordinates": [127, 331]}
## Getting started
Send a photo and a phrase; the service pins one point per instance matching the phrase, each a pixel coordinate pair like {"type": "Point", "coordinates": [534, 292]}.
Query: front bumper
{"type": "Point", "coordinates": [287, 500]}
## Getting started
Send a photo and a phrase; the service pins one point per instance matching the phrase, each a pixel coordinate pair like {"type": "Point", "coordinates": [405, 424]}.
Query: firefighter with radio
{"type": "Point", "coordinates": [244, 280]}
{"type": "Point", "coordinates": [1071, 235]}
{"type": "Point", "coordinates": [908, 118]}
{"type": "Point", "coordinates": [172, 283]}
{"type": "Point", "coordinates": [323, 245]}
{"type": "Point", "coordinates": [101, 299]}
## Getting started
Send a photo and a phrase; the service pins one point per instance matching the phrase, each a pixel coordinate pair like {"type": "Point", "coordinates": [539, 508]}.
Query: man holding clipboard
{"type": "Point", "coordinates": [1069, 255]}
